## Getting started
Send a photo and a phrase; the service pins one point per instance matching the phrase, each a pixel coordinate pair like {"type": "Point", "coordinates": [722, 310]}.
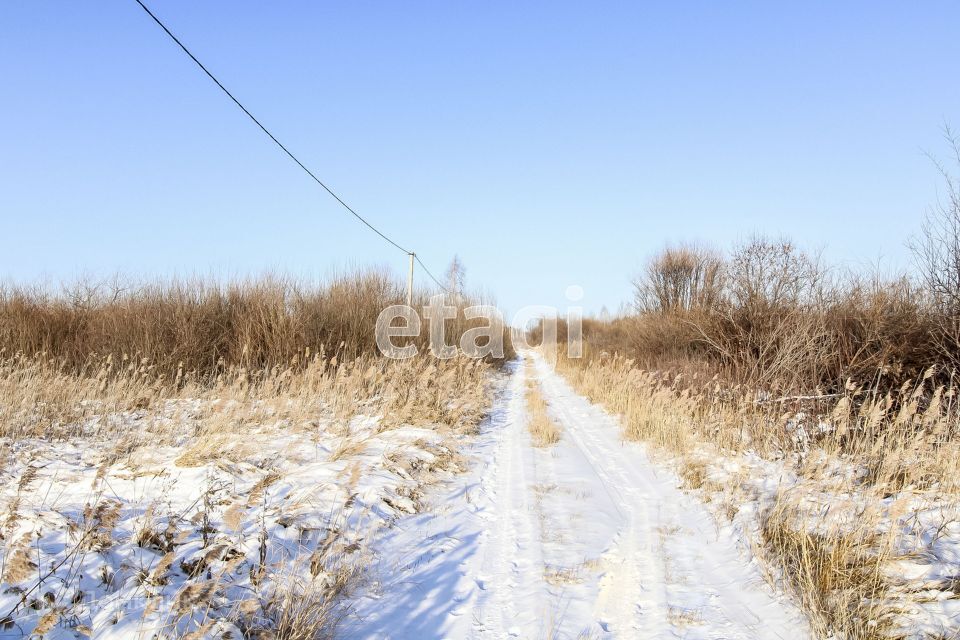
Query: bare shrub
{"type": "Point", "coordinates": [765, 274]}
{"type": "Point", "coordinates": [456, 276]}
{"type": "Point", "coordinates": [203, 326]}
{"type": "Point", "coordinates": [781, 323]}
{"type": "Point", "coordinates": [680, 278]}
{"type": "Point", "coordinates": [768, 327]}
{"type": "Point", "coordinates": [876, 326]}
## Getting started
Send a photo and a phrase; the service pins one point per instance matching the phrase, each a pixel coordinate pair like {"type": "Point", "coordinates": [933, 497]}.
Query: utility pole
{"type": "Point", "coordinates": [410, 281]}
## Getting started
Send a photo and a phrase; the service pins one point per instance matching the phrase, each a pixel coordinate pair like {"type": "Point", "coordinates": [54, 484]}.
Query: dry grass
{"type": "Point", "coordinates": [202, 326]}
{"type": "Point", "coordinates": [543, 429]}
{"type": "Point", "coordinates": [299, 608]}
{"type": "Point", "coordinates": [40, 398]}
{"type": "Point", "coordinates": [129, 422]}
{"type": "Point", "coordinates": [197, 329]}
{"type": "Point", "coordinates": [906, 437]}
{"type": "Point", "coordinates": [835, 567]}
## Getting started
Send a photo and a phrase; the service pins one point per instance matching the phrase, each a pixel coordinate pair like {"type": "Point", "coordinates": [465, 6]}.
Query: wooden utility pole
{"type": "Point", "coordinates": [410, 281]}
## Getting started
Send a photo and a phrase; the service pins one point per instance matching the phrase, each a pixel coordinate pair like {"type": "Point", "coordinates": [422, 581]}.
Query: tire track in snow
{"type": "Point", "coordinates": [632, 598]}
{"type": "Point", "coordinates": [512, 564]}
{"type": "Point", "coordinates": [695, 583]}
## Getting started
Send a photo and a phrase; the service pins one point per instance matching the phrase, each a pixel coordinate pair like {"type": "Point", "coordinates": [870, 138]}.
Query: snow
{"type": "Point", "coordinates": [587, 538]}
{"type": "Point", "coordinates": [290, 490]}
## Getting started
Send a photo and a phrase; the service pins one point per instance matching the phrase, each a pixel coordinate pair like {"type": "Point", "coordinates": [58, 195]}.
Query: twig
{"type": "Point", "coordinates": [826, 396]}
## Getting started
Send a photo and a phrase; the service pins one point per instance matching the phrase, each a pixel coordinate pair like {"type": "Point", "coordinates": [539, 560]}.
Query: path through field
{"type": "Point", "coordinates": [585, 538]}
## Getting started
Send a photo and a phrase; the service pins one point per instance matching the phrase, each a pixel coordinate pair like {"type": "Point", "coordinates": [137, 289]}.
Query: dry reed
{"type": "Point", "coordinates": [544, 430]}
{"type": "Point", "coordinates": [205, 327]}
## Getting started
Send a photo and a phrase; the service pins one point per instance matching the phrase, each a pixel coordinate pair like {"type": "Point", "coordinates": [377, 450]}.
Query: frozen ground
{"type": "Point", "coordinates": [586, 538]}
{"type": "Point", "coordinates": [205, 540]}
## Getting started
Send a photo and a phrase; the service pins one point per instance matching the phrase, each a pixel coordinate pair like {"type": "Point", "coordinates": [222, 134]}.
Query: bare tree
{"type": "Point", "coordinates": [679, 279]}
{"type": "Point", "coordinates": [937, 253]}
{"type": "Point", "coordinates": [769, 325]}
{"type": "Point", "coordinates": [456, 277]}
{"type": "Point", "coordinates": [765, 273]}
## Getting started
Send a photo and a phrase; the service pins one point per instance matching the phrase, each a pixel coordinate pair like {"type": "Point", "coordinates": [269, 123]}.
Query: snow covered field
{"type": "Point", "coordinates": [300, 523]}
{"type": "Point", "coordinates": [126, 550]}
{"type": "Point", "coordinates": [207, 517]}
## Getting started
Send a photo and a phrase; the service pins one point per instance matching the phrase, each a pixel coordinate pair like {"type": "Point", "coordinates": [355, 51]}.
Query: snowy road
{"type": "Point", "coordinates": [585, 538]}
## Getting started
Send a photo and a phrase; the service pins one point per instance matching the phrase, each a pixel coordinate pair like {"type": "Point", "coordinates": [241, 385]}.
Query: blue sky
{"type": "Point", "coordinates": [548, 144]}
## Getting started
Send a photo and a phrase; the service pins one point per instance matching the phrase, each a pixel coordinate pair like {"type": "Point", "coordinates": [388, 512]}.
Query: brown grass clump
{"type": "Point", "coordinates": [98, 522]}
{"type": "Point", "coordinates": [18, 563]}
{"type": "Point", "coordinates": [301, 609]}
{"type": "Point", "coordinates": [835, 568]}
{"type": "Point", "coordinates": [937, 253]}
{"type": "Point", "coordinates": [543, 429]}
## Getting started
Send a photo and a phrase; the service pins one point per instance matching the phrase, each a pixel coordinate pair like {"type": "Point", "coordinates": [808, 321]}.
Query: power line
{"type": "Point", "coordinates": [417, 258]}
{"type": "Point", "coordinates": [285, 150]}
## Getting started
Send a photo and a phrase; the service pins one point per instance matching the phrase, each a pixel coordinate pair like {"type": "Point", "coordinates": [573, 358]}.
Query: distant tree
{"type": "Point", "coordinates": [679, 279]}
{"type": "Point", "coordinates": [456, 277]}
{"type": "Point", "coordinates": [765, 274]}
{"type": "Point", "coordinates": [937, 253]}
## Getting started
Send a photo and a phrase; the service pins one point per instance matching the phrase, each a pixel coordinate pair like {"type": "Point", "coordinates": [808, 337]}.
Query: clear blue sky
{"type": "Point", "coordinates": [548, 144]}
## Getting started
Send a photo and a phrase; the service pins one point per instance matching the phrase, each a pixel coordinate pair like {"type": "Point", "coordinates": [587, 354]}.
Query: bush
{"type": "Point", "coordinates": [204, 326]}
{"type": "Point", "coordinates": [680, 279]}
{"type": "Point", "coordinates": [771, 317]}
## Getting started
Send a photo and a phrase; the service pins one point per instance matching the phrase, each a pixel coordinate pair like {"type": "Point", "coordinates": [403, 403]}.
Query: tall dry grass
{"type": "Point", "coordinates": [125, 416]}
{"type": "Point", "coordinates": [205, 327]}
{"type": "Point", "coordinates": [40, 397]}
{"type": "Point", "coordinates": [906, 436]}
